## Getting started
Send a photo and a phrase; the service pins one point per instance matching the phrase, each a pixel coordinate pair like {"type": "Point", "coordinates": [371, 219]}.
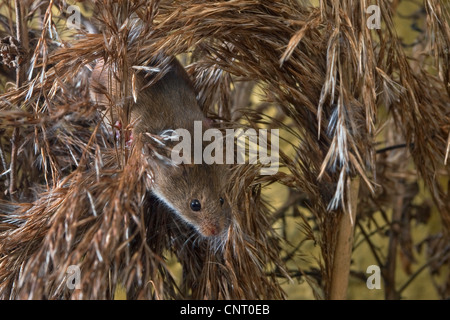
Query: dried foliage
{"type": "Point", "coordinates": [74, 195]}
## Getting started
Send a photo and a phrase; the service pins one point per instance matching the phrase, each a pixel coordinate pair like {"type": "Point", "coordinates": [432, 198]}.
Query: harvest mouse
{"type": "Point", "coordinates": [195, 192]}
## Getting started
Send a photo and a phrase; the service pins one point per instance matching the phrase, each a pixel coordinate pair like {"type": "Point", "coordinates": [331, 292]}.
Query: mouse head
{"type": "Point", "coordinates": [197, 195]}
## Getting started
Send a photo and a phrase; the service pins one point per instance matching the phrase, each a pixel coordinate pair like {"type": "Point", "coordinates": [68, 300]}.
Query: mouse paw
{"type": "Point", "coordinates": [128, 133]}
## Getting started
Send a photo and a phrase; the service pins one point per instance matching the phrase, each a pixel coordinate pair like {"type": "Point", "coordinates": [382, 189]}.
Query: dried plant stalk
{"type": "Point", "coordinates": [344, 246]}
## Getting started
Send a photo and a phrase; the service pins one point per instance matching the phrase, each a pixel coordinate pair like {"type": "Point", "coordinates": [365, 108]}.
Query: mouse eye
{"type": "Point", "coordinates": [196, 205]}
{"type": "Point", "coordinates": [221, 201]}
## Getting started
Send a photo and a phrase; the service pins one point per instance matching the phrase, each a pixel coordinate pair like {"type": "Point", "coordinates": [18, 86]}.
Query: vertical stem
{"type": "Point", "coordinates": [344, 244]}
{"type": "Point", "coordinates": [12, 166]}
{"type": "Point", "coordinates": [22, 38]}
{"type": "Point", "coordinates": [124, 14]}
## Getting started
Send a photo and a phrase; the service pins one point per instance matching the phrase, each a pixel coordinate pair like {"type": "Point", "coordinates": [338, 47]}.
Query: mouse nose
{"type": "Point", "coordinates": [211, 230]}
